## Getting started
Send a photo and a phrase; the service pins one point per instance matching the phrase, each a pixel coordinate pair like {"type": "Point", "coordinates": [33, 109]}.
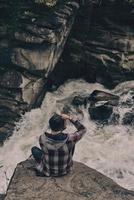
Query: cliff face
{"type": "Point", "coordinates": [82, 183]}
{"type": "Point", "coordinates": [101, 45]}
{"type": "Point", "coordinates": [32, 38]}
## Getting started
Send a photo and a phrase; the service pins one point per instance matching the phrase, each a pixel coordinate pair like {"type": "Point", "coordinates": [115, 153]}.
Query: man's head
{"type": "Point", "coordinates": [57, 123]}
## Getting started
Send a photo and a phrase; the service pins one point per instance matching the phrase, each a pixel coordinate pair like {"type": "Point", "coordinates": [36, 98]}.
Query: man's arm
{"type": "Point", "coordinates": [42, 142]}
{"type": "Point", "coordinates": [81, 129]}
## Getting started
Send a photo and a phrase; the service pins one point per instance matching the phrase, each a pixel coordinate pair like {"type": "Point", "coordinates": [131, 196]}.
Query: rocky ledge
{"type": "Point", "coordinates": [83, 183]}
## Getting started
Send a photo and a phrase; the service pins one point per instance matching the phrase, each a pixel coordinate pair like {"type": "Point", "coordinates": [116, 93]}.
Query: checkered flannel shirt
{"type": "Point", "coordinates": [59, 162]}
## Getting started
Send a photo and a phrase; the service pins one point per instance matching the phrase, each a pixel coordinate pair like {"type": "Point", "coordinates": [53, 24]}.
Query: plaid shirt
{"type": "Point", "coordinates": [58, 151]}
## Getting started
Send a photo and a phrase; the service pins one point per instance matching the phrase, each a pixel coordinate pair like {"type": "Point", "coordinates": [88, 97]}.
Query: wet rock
{"type": "Point", "coordinates": [100, 47]}
{"type": "Point", "coordinates": [83, 183]}
{"type": "Point", "coordinates": [5, 112]}
{"type": "Point", "coordinates": [13, 105]}
{"type": "Point", "coordinates": [11, 93]}
{"type": "Point", "coordinates": [79, 100]}
{"type": "Point", "coordinates": [6, 130]}
{"type": "Point", "coordinates": [36, 35]}
{"type": "Point", "coordinates": [128, 118]}
{"type": "Point", "coordinates": [11, 79]}
{"type": "Point", "coordinates": [3, 136]}
{"type": "Point", "coordinates": [7, 122]}
{"type": "Point", "coordinates": [100, 113]}
{"type": "Point", "coordinates": [98, 95]}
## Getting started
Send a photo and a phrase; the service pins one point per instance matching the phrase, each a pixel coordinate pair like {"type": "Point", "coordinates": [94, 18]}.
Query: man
{"type": "Point", "coordinates": [57, 148]}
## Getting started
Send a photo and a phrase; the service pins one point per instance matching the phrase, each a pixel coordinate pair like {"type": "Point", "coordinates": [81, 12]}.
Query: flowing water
{"type": "Point", "coordinates": [107, 148]}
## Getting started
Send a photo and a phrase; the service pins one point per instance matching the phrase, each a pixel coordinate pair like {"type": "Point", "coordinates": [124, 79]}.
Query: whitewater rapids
{"type": "Point", "coordinates": [108, 149]}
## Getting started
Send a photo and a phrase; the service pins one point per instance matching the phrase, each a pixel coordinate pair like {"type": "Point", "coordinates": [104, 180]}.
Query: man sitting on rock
{"type": "Point", "coordinates": [57, 148]}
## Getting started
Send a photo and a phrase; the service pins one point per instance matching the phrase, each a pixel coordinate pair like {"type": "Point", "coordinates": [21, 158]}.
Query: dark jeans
{"type": "Point", "coordinates": [37, 154]}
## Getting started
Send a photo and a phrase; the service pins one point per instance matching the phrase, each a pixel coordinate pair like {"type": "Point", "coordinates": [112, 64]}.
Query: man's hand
{"type": "Point", "coordinates": [65, 116]}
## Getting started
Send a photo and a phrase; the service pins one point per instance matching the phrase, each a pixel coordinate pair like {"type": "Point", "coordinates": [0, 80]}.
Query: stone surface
{"type": "Point", "coordinates": [32, 38]}
{"type": "Point", "coordinates": [98, 95]}
{"type": "Point", "coordinates": [100, 47]}
{"type": "Point", "coordinates": [101, 113]}
{"type": "Point", "coordinates": [101, 106]}
{"type": "Point", "coordinates": [36, 34]}
{"type": "Point", "coordinates": [83, 183]}
{"type": "Point", "coordinates": [79, 100]}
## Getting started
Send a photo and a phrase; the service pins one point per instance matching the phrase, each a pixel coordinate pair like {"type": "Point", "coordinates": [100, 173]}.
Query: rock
{"type": "Point", "coordinates": [6, 113]}
{"type": "Point", "coordinates": [6, 130]}
{"type": "Point", "coordinates": [98, 95]}
{"type": "Point", "coordinates": [11, 79]}
{"type": "Point", "coordinates": [3, 136]}
{"type": "Point", "coordinates": [101, 105]}
{"type": "Point", "coordinates": [11, 93]}
{"type": "Point", "coordinates": [128, 118]}
{"type": "Point", "coordinates": [36, 35]}
{"type": "Point", "coordinates": [83, 183]}
{"type": "Point", "coordinates": [100, 47]}
{"type": "Point", "coordinates": [14, 105]}
{"type": "Point", "coordinates": [100, 113]}
{"type": "Point", "coordinates": [32, 39]}
{"type": "Point", "coordinates": [79, 100]}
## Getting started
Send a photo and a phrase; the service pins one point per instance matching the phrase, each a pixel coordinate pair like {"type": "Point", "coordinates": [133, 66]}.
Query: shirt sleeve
{"type": "Point", "coordinates": [81, 130]}
{"type": "Point", "coordinates": [41, 143]}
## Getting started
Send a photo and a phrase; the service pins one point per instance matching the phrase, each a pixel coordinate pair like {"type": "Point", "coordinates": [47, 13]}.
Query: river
{"type": "Point", "coordinates": [106, 148]}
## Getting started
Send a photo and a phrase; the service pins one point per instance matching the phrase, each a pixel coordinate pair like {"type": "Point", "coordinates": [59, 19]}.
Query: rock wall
{"type": "Point", "coordinates": [83, 183]}
{"type": "Point", "coordinates": [101, 45]}
{"type": "Point", "coordinates": [32, 38]}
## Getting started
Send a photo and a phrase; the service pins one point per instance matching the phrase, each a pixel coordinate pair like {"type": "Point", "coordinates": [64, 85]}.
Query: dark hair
{"type": "Point", "coordinates": [56, 122]}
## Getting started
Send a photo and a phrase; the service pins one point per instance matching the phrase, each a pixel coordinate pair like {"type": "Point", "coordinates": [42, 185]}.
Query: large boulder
{"type": "Point", "coordinates": [100, 113]}
{"type": "Point", "coordinates": [98, 95]}
{"type": "Point", "coordinates": [83, 183]}
{"type": "Point", "coordinates": [101, 105]}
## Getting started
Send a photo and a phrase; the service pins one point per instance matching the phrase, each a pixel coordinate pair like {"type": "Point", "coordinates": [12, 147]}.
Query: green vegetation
{"type": "Point", "coordinates": [49, 3]}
